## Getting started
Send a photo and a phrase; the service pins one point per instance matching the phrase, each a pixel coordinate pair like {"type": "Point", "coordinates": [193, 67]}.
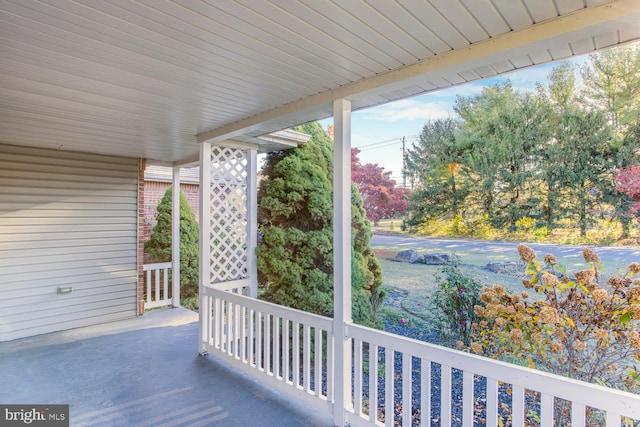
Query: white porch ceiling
{"type": "Point", "coordinates": [149, 78]}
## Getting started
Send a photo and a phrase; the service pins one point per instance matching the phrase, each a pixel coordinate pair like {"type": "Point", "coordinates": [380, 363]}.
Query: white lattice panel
{"type": "Point", "coordinates": [228, 215]}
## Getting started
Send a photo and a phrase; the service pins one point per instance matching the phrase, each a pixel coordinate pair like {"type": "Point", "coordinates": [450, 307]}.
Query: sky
{"type": "Point", "coordinates": [378, 131]}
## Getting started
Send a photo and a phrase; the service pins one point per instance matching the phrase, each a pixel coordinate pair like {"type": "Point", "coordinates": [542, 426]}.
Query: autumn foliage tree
{"type": "Point", "coordinates": [381, 197]}
{"type": "Point", "coordinates": [628, 183]}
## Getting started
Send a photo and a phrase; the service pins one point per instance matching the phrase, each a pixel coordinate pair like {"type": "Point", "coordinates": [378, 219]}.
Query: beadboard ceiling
{"type": "Point", "coordinates": [151, 78]}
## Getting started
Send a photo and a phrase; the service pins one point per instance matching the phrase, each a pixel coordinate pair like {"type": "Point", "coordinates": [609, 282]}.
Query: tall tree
{"type": "Point", "coordinates": [502, 128]}
{"type": "Point", "coordinates": [587, 165]}
{"type": "Point", "coordinates": [554, 100]}
{"type": "Point", "coordinates": [612, 83]}
{"type": "Point", "coordinates": [159, 244]}
{"type": "Point", "coordinates": [295, 215]}
{"type": "Point", "coordinates": [380, 196]}
{"type": "Point", "coordinates": [437, 161]}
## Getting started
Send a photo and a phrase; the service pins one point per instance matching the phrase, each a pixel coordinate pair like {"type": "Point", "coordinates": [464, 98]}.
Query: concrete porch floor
{"type": "Point", "coordinates": [142, 372]}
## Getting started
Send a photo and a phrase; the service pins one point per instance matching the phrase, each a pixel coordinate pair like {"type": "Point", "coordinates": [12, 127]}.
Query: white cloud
{"type": "Point", "coordinates": [409, 110]}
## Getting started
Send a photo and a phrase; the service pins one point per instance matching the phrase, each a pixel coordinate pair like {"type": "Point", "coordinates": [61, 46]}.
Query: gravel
{"type": "Point", "coordinates": [420, 330]}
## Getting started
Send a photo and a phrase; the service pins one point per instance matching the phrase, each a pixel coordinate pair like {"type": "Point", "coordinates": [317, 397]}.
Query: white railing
{"type": "Point", "coordinates": [240, 286]}
{"type": "Point", "coordinates": [157, 285]}
{"type": "Point", "coordinates": [396, 380]}
{"type": "Point", "coordinates": [401, 374]}
{"type": "Point", "coordinates": [282, 347]}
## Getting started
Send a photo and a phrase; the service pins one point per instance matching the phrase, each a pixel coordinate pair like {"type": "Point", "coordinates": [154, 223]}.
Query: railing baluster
{"type": "Point", "coordinates": [389, 414]}
{"type": "Point", "coordinates": [149, 285]}
{"type": "Point", "coordinates": [318, 362]}
{"type": "Point", "coordinates": [492, 402]}
{"type": "Point", "coordinates": [445, 396]}
{"type": "Point", "coordinates": [373, 382]}
{"type": "Point", "coordinates": [237, 332]}
{"type": "Point", "coordinates": [221, 322]}
{"type": "Point", "coordinates": [208, 322]}
{"type": "Point", "coordinates": [578, 414]}
{"type": "Point", "coordinates": [425, 393]}
{"type": "Point", "coordinates": [406, 389]}
{"type": "Point", "coordinates": [218, 320]}
{"type": "Point", "coordinates": [517, 396]}
{"type": "Point", "coordinates": [467, 398]}
{"type": "Point", "coordinates": [330, 367]}
{"type": "Point", "coordinates": [229, 326]}
{"type": "Point", "coordinates": [268, 343]}
{"type": "Point", "coordinates": [165, 282]}
{"type": "Point", "coordinates": [276, 346]}
{"type": "Point", "coordinates": [244, 355]}
{"type": "Point", "coordinates": [208, 319]}
{"type": "Point", "coordinates": [613, 420]}
{"type": "Point", "coordinates": [259, 342]}
{"type": "Point", "coordinates": [306, 354]}
{"type": "Point", "coordinates": [296, 354]}
{"type": "Point", "coordinates": [286, 352]}
{"type": "Point", "coordinates": [357, 376]}
{"type": "Point", "coordinates": [546, 409]}
{"type": "Point", "coordinates": [252, 337]}
{"type": "Point", "coordinates": [156, 281]}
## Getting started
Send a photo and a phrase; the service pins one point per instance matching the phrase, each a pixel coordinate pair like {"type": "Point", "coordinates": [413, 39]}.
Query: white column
{"type": "Point", "coordinates": [175, 238]}
{"type": "Point", "coordinates": [252, 220]}
{"type": "Point", "coordinates": [342, 258]}
{"type": "Point", "coordinates": [205, 237]}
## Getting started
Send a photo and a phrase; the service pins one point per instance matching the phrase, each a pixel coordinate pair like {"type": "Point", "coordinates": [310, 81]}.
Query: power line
{"type": "Point", "coordinates": [389, 142]}
{"type": "Point", "coordinates": [386, 141]}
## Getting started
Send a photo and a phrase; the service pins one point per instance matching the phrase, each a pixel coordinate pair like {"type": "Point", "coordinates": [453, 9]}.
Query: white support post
{"type": "Point", "coordinates": [342, 258]}
{"type": "Point", "coordinates": [175, 238]}
{"type": "Point", "coordinates": [205, 239]}
{"type": "Point", "coordinates": [252, 221]}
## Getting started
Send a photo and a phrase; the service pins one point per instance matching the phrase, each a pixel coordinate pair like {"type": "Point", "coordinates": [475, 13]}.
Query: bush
{"type": "Point", "coordinates": [295, 215]}
{"type": "Point", "coordinates": [579, 328]}
{"type": "Point", "coordinates": [159, 245]}
{"type": "Point", "coordinates": [453, 305]}
{"type": "Point", "coordinates": [525, 223]}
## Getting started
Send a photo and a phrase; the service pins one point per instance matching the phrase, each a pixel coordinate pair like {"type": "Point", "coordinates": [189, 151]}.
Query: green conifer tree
{"type": "Point", "coordinates": [295, 215]}
{"type": "Point", "coordinates": [159, 245]}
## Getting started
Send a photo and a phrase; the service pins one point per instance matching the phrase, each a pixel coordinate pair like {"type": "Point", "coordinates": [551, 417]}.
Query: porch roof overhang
{"type": "Point", "coordinates": [151, 79]}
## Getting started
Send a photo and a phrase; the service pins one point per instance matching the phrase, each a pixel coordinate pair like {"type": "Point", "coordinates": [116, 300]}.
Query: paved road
{"type": "Point", "coordinates": [561, 251]}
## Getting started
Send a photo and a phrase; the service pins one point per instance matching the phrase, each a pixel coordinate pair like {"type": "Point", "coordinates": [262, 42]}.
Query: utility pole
{"type": "Point", "coordinates": [404, 166]}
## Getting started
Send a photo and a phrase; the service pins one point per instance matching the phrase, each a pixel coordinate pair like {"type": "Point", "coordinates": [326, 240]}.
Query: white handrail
{"type": "Point", "coordinates": [290, 349]}
{"type": "Point", "coordinates": [283, 347]}
{"type": "Point", "coordinates": [615, 403]}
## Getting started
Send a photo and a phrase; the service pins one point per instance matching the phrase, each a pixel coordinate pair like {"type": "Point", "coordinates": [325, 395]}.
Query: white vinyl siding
{"type": "Point", "coordinates": [66, 220]}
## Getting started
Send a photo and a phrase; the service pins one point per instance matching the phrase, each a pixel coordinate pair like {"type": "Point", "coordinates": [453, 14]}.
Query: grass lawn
{"type": "Point", "coordinates": [410, 285]}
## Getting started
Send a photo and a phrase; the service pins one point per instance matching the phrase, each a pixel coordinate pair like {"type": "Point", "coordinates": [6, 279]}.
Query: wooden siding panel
{"type": "Point", "coordinates": [66, 220]}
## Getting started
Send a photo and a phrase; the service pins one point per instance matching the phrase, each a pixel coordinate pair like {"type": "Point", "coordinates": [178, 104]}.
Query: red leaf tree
{"type": "Point", "coordinates": [381, 197]}
{"type": "Point", "coordinates": [628, 182]}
